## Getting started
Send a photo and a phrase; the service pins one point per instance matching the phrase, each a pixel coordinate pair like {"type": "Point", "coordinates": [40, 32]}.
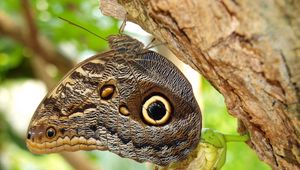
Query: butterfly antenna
{"type": "Point", "coordinates": [72, 23]}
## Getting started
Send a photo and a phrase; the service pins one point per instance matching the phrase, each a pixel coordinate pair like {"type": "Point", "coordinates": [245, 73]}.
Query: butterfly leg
{"type": "Point", "coordinates": [150, 44]}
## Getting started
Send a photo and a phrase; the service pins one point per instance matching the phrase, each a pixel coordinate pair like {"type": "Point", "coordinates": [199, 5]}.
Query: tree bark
{"type": "Point", "coordinates": [248, 49]}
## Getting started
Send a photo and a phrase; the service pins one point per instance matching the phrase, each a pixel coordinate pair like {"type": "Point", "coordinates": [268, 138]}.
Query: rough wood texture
{"type": "Point", "coordinates": [249, 50]}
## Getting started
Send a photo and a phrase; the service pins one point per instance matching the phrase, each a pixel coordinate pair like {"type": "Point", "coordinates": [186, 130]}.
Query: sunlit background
{"type": "Point", "coordinates": [25, 77]}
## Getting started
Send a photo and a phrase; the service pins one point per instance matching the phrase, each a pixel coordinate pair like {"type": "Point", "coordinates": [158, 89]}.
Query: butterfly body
{"type": "Point", "coordinates": [129, 100]}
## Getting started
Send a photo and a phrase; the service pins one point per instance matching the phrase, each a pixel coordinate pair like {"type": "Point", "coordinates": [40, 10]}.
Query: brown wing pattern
{"type": "Point", "coordinates": [131, 101]}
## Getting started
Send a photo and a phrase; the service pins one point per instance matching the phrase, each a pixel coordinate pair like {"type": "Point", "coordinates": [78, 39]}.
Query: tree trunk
{"type": "Point", "coordinates": [248, 49]}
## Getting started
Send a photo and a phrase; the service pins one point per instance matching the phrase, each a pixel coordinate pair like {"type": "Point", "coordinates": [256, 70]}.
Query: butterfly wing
{"type": "Point", "coordinates": [140, 107]}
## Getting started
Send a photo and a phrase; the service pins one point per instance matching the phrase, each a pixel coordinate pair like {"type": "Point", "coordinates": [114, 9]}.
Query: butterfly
{"type": "Point", "coordinates": [129, 100]}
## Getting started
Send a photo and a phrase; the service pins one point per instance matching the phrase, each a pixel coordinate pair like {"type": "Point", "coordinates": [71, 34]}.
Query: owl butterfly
{"type": "Point", "coordinates": [129, 100]}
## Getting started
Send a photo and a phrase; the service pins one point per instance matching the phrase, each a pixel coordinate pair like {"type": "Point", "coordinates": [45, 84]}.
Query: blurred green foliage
{"type": "Point", "coordinates": [15, 64]}
{"type": "Point", "coordinates": [12, 62]}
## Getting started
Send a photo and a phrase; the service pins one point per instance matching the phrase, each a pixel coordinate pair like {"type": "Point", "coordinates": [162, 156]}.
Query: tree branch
{"type": "Point", "coordinates": [250, 57]}
{"type": "Point", "coordinates": [46, 50]}
{"type": "Point", "coordinates": [33, 31]}
{"type": "Point", "coordinates": [78, 161]}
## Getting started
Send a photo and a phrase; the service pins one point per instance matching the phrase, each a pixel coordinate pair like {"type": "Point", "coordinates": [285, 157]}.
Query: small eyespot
{"type": "Point", "coordinates": [93, 128]}
{"type": "Point", "coordinates": [107, 91]}
{"type": "Point", "coordinates": [124, 110]}
{"type": "Point", "coordinates": [50, 132]}
{"type": "Point", "coordinates": [28, 135]}
{"type": "Point", "coordinates": [62, 130]}
{"type": "Point", "coordinates": [156, 110]}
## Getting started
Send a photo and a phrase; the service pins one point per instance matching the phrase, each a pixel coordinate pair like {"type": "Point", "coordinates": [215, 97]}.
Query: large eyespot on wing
{"type": "Point", "coordinates": [66, 120]}
{"type": "Point", "coordinates": [156, 110]}
{"type": "Point", "coordinates": [167, 141]}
